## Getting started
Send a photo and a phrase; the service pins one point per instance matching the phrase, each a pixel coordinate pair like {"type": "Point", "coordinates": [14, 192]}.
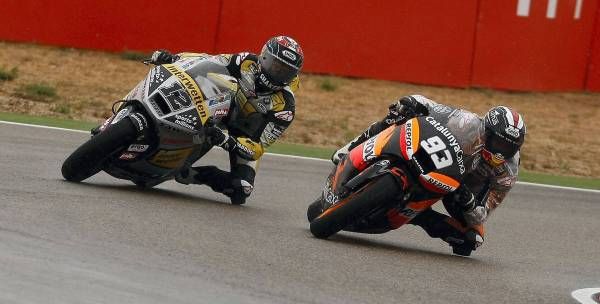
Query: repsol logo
{"type": "Point", "coordinates": [438, 184]}
{"type": "Point", "coordinates": [192, 89]}
{"type": "Point", "coordinates": [408, 138]}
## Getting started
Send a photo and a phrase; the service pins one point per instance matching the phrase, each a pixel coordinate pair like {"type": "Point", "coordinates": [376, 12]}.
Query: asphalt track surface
{"type": "Point", "coordinates": [105, 241]}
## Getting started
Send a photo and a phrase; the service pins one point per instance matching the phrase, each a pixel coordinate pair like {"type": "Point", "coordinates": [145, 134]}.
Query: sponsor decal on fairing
{"type": "Point", "coordinates": [284, 115]}
{"type": "Point", "coordinates": [138, 148]}
{"type": "Point", "coordinates": [369, 149]}
{"type": "Point", "coordinates": [221, 112]}
{"type": "Point", "coordinates": [408, 138]}
{"type": "Point", "coordinates": [452, 140]}
{"type": "Point", "coordinates": [128, 156]}
{"type": "Point", "coordinates": [192, 89]}
{"type": "Point", "coordinates": [438, 184]}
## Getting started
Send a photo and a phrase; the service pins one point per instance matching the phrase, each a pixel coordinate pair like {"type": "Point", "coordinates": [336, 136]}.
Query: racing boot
{"type": "Point", "coordinates": [218, 180]}
{"type": "Point", "coordinates": [462, 239]}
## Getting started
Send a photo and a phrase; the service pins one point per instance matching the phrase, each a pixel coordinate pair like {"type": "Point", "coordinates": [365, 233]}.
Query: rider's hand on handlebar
{"type": "Point", "coordinates": [162, 57]}
{"type": "Point", "coordinates": [405, 108]}
{"type": "Point", "coordinates": [464, 198]}
{"type": "Point", "coordinates": [216, 136]}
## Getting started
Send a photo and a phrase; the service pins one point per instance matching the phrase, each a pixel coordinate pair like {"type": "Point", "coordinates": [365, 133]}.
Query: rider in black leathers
{"type": "Point", "coordinates": [265, 109]}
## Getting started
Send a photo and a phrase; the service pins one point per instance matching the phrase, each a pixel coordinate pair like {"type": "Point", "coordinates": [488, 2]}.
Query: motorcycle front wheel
{"type": "Point", "coordinates": [89, 158]}
{"type": "Point", "coordinates": [357, 204]}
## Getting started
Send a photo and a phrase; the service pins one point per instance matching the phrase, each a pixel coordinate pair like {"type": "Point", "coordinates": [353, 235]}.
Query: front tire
{"type": "Point", "coordinates": [314, 210]}
{"type": "Point", "coordinates": [337, 217]}
{"type": "Point", "coordinates": [89, 158]}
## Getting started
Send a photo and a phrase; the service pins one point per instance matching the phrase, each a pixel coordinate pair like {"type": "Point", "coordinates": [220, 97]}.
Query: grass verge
{"type": "Point", "coordinates": [307, 151]}
{"type": "Point", "coordinates": [37, 91]}
{"type": "Point", "coordinates": [7, 75]}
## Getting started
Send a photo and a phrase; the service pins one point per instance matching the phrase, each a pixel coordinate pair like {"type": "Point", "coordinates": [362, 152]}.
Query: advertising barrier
{"type": "Point", "coordinates": [541, 45]}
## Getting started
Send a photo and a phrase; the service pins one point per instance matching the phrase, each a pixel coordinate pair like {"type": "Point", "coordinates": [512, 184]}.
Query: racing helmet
{"type": "Point", "coordinates": [504, 134]}
{"type": "Point", "coordinates": [280, 61]}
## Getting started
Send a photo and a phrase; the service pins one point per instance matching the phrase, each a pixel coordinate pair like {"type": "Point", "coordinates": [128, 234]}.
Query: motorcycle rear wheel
{"type": "Point", "coordinates": [351, 208]}
{"type": "Point", "coordinates": [89, 158]}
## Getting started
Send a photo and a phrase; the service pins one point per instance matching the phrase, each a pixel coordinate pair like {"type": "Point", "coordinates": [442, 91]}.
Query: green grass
{"type": "Point", "coordinates": [37, 91]}
{"type": "Point", "coordinates": [565, 181]}
{"type": "Point", "coordinates": [328, 85]}
{"type": "Point", "coordinates": [8, 75]}
{"type": "Point", "coordinates": [308, 151]}
{"type": "Point", "coordinates": [62, 108]}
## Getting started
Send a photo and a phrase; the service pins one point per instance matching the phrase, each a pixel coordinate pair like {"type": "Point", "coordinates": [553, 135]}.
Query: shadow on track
{"type": "Point", "coordinates": [159, 193]}
{"type": "Point", "coordinates": [357, 240]}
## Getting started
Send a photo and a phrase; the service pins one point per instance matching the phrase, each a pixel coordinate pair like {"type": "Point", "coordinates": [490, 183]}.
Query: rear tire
{"type": "Point", "coordinates": [89, 158]}
{"type": "Point", "coordinates": [375, 193]}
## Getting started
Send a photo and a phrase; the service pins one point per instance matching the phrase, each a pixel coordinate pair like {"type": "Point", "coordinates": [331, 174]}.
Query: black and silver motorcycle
{"type": "Point", "coordinates": [159, 128]}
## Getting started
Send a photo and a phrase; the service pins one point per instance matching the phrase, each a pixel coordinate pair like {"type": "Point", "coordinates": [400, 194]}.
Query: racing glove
{"type": "Point", "coordinates": [474, 211]}
{"type": "Point", "coordinates": [404, 109]}
{"type": "Point", "coordinates": [243, 147]}
{"type": "Point", "coordinates": [162, 57]}
{"type": "Point", "coordinates": [464, 198]}
{"type": "Point", "coordinates": [217, 137]}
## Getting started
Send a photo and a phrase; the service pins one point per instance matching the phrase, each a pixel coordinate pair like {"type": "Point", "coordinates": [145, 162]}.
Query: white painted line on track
{"type": "Point", "coordinates": [41, 126]}
{"type": "Point", "coordinates": [558, 187]}
{"type": "Point", "coordinates": [587, 295]}
{"type": "Point", "coordinates": [301, 157]}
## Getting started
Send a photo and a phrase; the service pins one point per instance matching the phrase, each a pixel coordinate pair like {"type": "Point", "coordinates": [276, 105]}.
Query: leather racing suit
{"type": "Point", "coordinates": [259, 117]}
{"type": "Point", "coordinates": [489, 185]}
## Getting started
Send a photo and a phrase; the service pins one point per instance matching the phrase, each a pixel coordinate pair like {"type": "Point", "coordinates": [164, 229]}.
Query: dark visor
{"type": "Point", "coordinates": [279, 72]}
{"type": "Point", "coordinates": [496, 144]}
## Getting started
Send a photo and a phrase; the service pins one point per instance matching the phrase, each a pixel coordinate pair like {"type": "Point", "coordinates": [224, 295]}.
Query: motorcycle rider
{"type": "Point", "coordinates": [498, 139]}
{"type": "Point", "coordinates": [265, 107]}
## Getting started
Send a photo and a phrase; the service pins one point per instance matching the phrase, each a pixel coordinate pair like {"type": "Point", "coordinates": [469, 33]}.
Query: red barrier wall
{"type": "Point", "coordinates": [112, 24]}
{"type": "Point", "coordinates": [533, 52]}
{"type": "Point", "coordinates": [593, 76]}
{"type": "Point", "coordinates": [475, 42]}
{"type": "Point", "coordinates": [425, 41]}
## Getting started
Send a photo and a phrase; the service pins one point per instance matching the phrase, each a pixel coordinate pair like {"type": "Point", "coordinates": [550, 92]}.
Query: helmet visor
{"type": "Point", "coordinates": [279, 72]}
{"type": "Point", "coordinates": [496, 144]}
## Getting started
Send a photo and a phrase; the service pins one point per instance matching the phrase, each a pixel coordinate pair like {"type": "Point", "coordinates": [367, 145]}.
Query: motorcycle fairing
{"type": "Point", "coordinates": [401, 215]}
{"type": "Point", "coordinates": [429, 154]}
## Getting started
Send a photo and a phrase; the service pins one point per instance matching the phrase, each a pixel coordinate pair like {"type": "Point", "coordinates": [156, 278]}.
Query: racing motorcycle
{"type": "Point", "coordinates": [395, 175]}
{"type": "Point", "coordinates": [158, 129]}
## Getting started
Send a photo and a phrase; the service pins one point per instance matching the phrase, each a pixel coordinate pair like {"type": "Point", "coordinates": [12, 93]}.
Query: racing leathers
{"type": "Point", "coordinates": [256, 120]}
{"type": "Point", "coordinates": [483, 188]}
